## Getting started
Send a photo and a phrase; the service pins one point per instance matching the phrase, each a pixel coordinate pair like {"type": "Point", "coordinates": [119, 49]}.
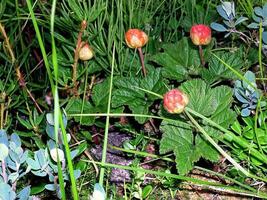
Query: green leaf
{"type": "Point", "coordinates": [25, 123]}
{"type": "Point", "coordinates": [178, 137]}
{"type": "Point", "coordinates": [223, 115]}
{"type": "Point", "coordinates": [74, 106]}
{"type": "Point", "coordinates": [206, 149]}
{"type": "Point", "coordinates": [201, 97]}
{"type": "Point", "coordinates": [146, 191]}
{"type": "Point", "coordinates": [127, 92]}
{"type": "Point", "coordinates": [100, 95]}
{"type": "Point", "coordinates": [178, 60]}
{"type": "Point", "coordinates": [218, 71]}
{"type": "Point", "coordinates": [214, 103]}
{"type": "Point", "coordinates": [154, 82]}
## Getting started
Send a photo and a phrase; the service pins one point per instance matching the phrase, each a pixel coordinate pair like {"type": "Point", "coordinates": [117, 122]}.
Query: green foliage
{"type": "Point", "coordinates": [217, 71]}
{"type": "Point", "coordinates": [197, 12]}
{"type": "Point", "coordinates": [171, 61]}
{"type": "Point", "coordinates": [127, 93]}
{"type": "Point", "coordinates": [179, 137]}
{"type": "Point", "coordinates": [256, 137]}
{"type": "Point", "coordinates": [178, 65]}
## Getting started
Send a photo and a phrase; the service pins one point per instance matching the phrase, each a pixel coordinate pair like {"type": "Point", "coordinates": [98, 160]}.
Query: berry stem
{"type": "Point", "coordinates": [201, 55]}
{"type": "Point", "coordinates": [142, 61]}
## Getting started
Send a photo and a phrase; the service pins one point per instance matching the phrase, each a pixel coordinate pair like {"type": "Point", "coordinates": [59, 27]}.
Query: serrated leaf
{"type": "Point", "coordinates": [178, 137]}
{"type": "Point", "coordinates": [127, 93]}
{"type": "Point", "coordinates": [223, 115]}
{"type": "Point", "coordinates": [205, 149]}
{"type": "Point", "coordinates": [218, 71]}
{"type": "Point", "coordinates": [100, 94]}
{"type": "Point", "coordinates": [154, 83]}
{"type": "Point", "coordinates": [178, 64]}
{"type": "Point", "coordinates": [201, 98]}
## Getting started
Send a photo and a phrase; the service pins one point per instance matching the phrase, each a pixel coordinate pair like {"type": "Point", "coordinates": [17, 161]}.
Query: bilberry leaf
{"type": "Point", "coordinates": [253, 25]}
{"type": "Point", "coordinates": [240, 20]}
{"type": "Point", "coordinates": [24, 194]}
{"type": "Point", "coordinates": [245, 112]}
{"type": "Point", "coordinates": [222, 12]}
{"type": "Point", "coordinates": [218, 27]}
{"type": "Point", "coordinates": [258, 11]}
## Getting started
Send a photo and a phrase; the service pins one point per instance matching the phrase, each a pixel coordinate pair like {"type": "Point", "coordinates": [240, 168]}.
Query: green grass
{"type": "Point", "coordinates": [41, 49]}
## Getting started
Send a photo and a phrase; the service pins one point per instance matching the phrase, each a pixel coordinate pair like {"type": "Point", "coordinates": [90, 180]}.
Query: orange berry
{"type": "Point", "coordinates": [135, 38]}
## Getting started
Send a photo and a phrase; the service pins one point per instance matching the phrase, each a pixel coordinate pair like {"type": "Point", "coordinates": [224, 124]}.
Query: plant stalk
{"type": "Point", "coordinates": [4, 175]}
{"type": "Point", "coordinates": [105, 144]}
{"type": "Point", "coordinates": [216, 146]}
{"type": "Point", "coordinates": [76, 57]}
{"type": "Point", "coordinates": [141, 55]}
{"type": "Point", "coordinates": [201, 55]}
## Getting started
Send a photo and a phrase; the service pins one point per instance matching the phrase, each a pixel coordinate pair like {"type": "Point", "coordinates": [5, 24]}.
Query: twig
{"type": "Point", "coordinates": [22, 83]}
{"type": "Point", "coordinates": [17, 69]}
{"type": "Point", "coordinates": [76, 57]}
{"type": "Point", "coordinates": [9, 48]}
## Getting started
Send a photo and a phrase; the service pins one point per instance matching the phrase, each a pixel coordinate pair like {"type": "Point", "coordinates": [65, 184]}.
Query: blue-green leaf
{"type": "Point", "coordinates": [240, 20]}
{"type": "Point", "coordinates": [218, 27]}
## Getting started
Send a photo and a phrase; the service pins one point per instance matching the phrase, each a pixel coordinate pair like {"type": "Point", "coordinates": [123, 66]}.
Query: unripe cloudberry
{"type": "Point", "coordinates": [174, 101]}
{"type": "Point", "coordinates": [200, 34]}
{"type": "Point", "coordinates": [86, 52]}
